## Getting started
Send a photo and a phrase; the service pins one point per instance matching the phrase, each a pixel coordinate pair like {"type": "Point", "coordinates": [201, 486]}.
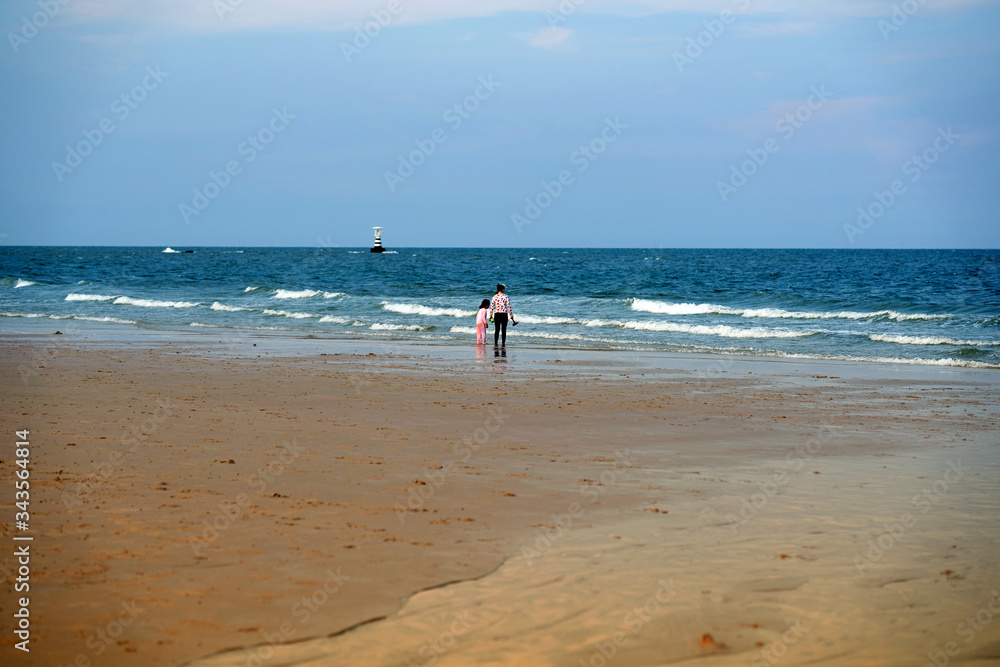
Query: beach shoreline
{"type": "Point", "coordinates": [369, 471]}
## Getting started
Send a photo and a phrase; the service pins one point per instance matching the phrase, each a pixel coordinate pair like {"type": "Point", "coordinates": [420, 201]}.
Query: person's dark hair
{"type": "Point", "coordinates": [501, 287]}
{"type": "Point", "coordinates": [485, 303]}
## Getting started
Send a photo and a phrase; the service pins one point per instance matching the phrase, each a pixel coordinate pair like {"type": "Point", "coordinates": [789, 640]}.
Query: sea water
{"type": "Point", "coordinates": [912, 306]}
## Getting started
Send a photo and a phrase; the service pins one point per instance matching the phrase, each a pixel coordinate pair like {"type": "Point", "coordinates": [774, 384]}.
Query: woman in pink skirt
{"type": "Point", "coordinates": [482, 322]}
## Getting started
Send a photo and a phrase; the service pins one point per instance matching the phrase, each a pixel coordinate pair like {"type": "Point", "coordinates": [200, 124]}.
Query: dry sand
{"type": "Point", "coordinates": [190, 504]}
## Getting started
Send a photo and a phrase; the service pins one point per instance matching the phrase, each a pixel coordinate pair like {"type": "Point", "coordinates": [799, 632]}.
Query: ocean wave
{"type": "Point", "coordinates": [531, 334]}
{"type": "Point", "coordinates": [338, 319]}
{"type": "Point", "coordinates": [21, 282]}
{"type": "Point", "coordinates": [153, 303]}
{"type": "Point", "coordinates": [918, 361]}
{"type": "Point", "coordinates": [379, 326]}
{"type": "Point", "coordinates": [716, 330]}
{"type": "Point", "coordinates": [237, 326]}
{"type": "Point", "coordinates": [929, 340]}
{"type": "Point", "coordinates": [115, 320]}
{"type": "Point", "coordinates": [3, 314]}
{"type": "Point", "coordinates": [89, 297]}
{"type": "Point", "coordinates": [227, 309]}
{"type": "Point", "coordinates": [543, 319]}
{"type": "Point", "coordinates": [252, 288]}
{"type": "Point", "coordinates": [430, 311]}
{"type": "Point", "coordinates": [666, 308]}
{"type": "Point", "coordinates": [303, 294]}
{"type": "Point", "coordinates": [285, 313]}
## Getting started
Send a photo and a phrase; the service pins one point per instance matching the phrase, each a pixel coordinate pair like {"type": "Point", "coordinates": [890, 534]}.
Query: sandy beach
{"type": "Point", "coordinates": [245, 503]}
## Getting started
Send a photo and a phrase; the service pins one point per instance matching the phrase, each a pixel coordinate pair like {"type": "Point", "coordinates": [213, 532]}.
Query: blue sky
{"type": "Point", "coordinates": [603, 124]}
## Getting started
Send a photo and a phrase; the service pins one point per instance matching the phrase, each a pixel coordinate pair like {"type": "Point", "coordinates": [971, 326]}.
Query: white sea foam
{"type": "Point", "coordinates": [304, 294]}
{"type": "Point", "coordinates": [21, 282]}
{"type": "Point", "coordinates": [546, 334]}
{"type": "Point", "coordinates": [379, 326]}
{"type": "Point", "coordinates": [335, 318]}
{"type": "Point", "coordinates": [967, 363]}
{"type": "Point", "coordinates": [89, 297]}
{"type": "Point", "coordinates": [170, 250]}
{"type": "Point", "coordinates": [716, 330]}
{"type": "Point", "coordinates": [929, 340]}
{"type": "Point", "coordinates": [294, 294]}
{"type": "Point", "coordinates": [417, 309]}
{"type": "Point", "coordinates": [115, 320]}
{"type": "Point", "coordinates": [540, 319]}
{"type": "Point", "coordinates": [666, 308]}
{"type": "Point", "coordinates": [252, 288]}
{"type": "Point", "coordinates": [153, 303]}
{"type": "Point", "coordinates": [285, 313]}
{"type": "Point", "coordinates": [22, 314]}
{"type": "Point", "coordinates": [234, 326]}
{"type": "Point", "coordinates": [657, 325]}
{"type": "Point", "coordinates": [535, 334]}
{"type": "Point", "coordinates": [228, 309]}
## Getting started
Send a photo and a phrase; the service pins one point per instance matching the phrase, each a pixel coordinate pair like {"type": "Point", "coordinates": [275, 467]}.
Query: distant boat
{"type": "Point", "coordinates": [378, 240]}
{"type": "Point", "coordinates": [169, 249]}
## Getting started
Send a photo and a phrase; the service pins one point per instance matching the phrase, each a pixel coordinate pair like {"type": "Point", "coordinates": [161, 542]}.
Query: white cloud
{"type": "Point", "coordinates": [549, 38]}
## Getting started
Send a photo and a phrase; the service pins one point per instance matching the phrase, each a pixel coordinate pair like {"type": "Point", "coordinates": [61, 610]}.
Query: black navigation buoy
{"type": "Point", "coordinates": [378, 240]}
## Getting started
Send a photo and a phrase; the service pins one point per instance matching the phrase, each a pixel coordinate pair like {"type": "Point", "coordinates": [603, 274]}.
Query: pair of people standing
{"type": "Point", "coordinates": [496, 310]}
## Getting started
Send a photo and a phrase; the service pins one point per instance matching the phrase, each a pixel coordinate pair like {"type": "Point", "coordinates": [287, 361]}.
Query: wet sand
{"type": "Point", "coordinates": [194, 503]}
